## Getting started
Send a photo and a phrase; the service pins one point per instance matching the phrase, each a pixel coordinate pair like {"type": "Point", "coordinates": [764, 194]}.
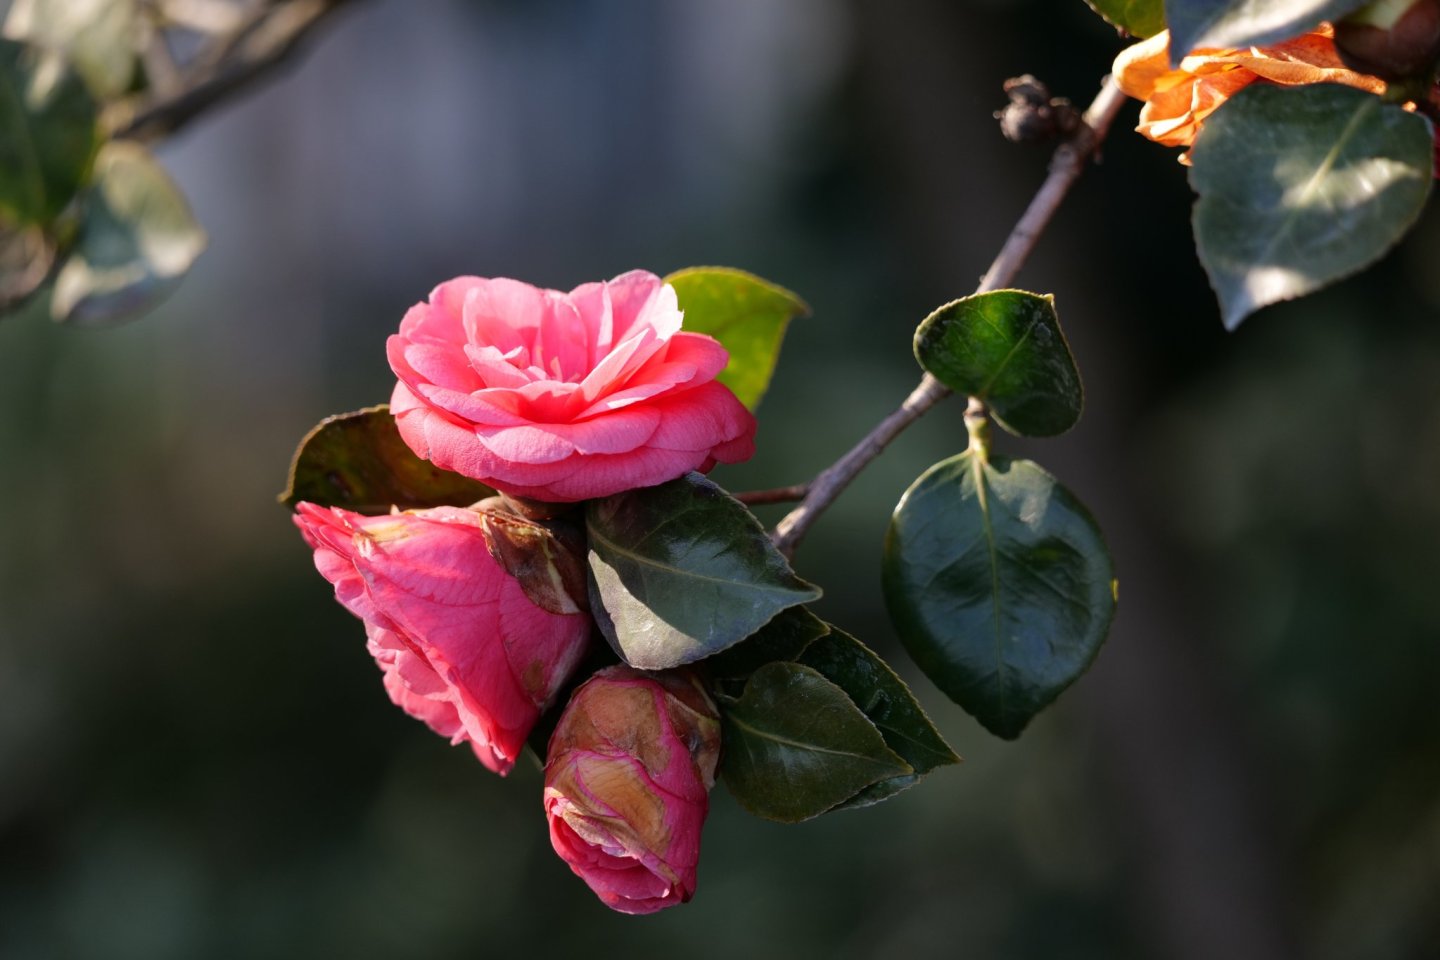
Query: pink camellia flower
{"type": "Point", "coordinates": [627, 785]}
{"type": "Point", "coordinates": [563, 396]}
{"type": "Point", "coordinates": [461, 645]}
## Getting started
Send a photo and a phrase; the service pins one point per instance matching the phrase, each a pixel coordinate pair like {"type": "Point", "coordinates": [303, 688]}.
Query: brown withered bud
{"type": "Point", "coordinates": [1394, 40]}
{"type": "Point", "coordinates": [1033, 114]}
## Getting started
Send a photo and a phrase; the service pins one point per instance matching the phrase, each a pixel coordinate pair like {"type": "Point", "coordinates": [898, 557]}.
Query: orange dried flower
{"type": "Point", "coordinates": [1177, 101]}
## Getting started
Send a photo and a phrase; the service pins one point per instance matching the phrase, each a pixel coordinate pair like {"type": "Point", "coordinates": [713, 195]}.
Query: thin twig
{"type": "Point", "coordinates": [757, 498]}
{"type": "Point", "coordinates": [1068, 163]}
{"type": "Point", "coordinates": [255, 48]}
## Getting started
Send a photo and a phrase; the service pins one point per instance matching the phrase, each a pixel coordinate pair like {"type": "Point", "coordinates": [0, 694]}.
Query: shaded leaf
{"type": "Point", "coordinates": [1006, 348]}
{"type": "Point", "coordinates": [1300, 186]}
{"type": "Point", "coordinates": [1139, 18]}
{"type": "Point", "coordinates": [785, 637]}
{"type": "Point", "coordinates": [886, 700]}
{"type": "Point", "coordinates": [999, 584]}
{"type": "Point", "coordinates": [48, 134]}
{"type": "Point", "coordinates": [746, 314]}
{"type": "Point", "coordinates": [1245, 23]}
{"type": "Point", "coordinates": [681, 571]}
{"type": "Point", "coordinates": [137, 240]}
{"type": "Point", "coordinates": [98, 37]}
{"type": "Point", "coordinates": [796, 745]}
{"type": "Point", "coordinates": [359, 462]}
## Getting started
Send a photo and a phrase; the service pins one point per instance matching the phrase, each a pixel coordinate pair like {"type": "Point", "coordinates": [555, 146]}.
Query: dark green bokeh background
{"type": "Point", "coordinates": [197, 758]}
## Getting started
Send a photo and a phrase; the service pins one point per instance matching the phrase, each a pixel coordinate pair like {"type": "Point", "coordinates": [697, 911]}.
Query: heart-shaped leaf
{"type": "Point", "coordinates": [999, 584]}
{"type": "Point", "coordinates": [137, 240]}
{"type": "Point", "coordinates": [1245, 23]}
{"type": "Point", "coordinates": [746, 314]}
{"type": "Point", "coordinates": [359, 462]}
{"type": "Point", "coordinates": [681, 571]}
{"type": "Point", "coordinates": [1139, 18]}
{"type": "Point", "coordinates": [1300, 186]}
{"type": "Point", "coordinates": [1006, 348]}
{"type": "Point", "coordinates": [48, 133]}
{"type": "Point", "coordinates": [796, 745]}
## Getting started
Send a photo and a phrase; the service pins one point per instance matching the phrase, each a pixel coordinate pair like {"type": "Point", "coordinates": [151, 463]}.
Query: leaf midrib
{"type": "Point", "coordinates": [681, 572]}
{"type": "Point", "coordinates": [901, 770]}
{"type": "Point", "coordinates": [978, 468]}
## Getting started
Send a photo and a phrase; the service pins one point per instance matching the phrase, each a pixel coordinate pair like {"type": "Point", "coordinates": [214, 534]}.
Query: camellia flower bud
{"type": "Point", "coordinates": [1392, 39]}
{"type": "Point", "coordinates": [461, 644]}
{"type": "Point", "coordinates": [627, 785]}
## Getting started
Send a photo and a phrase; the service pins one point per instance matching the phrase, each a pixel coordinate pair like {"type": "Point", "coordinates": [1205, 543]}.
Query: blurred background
{"type": "Point", "coordinates": [196, 755]}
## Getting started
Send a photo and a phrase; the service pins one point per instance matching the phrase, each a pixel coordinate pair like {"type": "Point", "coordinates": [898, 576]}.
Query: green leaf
{"type": "Point", "coordinates": [1301, 186]}
{"type": "Point", "coordinates": [358, 461]}
{"type": "Point", "coordinates": [796, 745]}
{"type": "Point", "coordinates": [1006, 348]}
{"type": "Point", "coordinates": [137, 240]}
{"type": "Point", "coordinates": [681, 571]}
{"type": "Point", "coordinates": [885, 699]}
{"type": "Point", "coordinates": [746, 314]}
{"type": "Point", "coordinates": [999, 585]}
{"type": "Point", "coordinates": [785, 637]}
{"type": "Point", "coordinates": [1245, 23]}
{"type": "Point", "coordinates": [98, 37]}
{"type": "Point", "coordinates": [26, 255]}
{"type": "Point", "coordinates": [48, 133]}
{"type": "Point", "coordinates": [1140, 18]}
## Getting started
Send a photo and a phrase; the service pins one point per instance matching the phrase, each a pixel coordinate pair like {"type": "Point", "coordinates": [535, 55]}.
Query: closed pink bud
{"type": "Point", "coordinates": [627, 785]}
{"type": "Point", "coordinates": [461, 645]}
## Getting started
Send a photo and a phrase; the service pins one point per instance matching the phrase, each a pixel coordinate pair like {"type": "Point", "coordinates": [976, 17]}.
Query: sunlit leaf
{"type": "Point", "coordinates": [746, 314]}
{"type": "Point", "coordinates": [681, 571]}
{"type": "Point", "coordinates": [1301, 186]}
{"type": "Point", "coordinates": [1245, 23]}
{"type": "Point", "coordinates": [98, 37]}
{"type": "Point", "coordinates": [137, 240]}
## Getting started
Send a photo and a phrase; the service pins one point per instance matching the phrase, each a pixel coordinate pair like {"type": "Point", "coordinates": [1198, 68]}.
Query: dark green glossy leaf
{"type": "Point", "coordinates": [796, 745]}
{"type": "Point", "coordinates": [1140, 18]}
{"type": "Point", "coordinates": [999, 584]}
{"type": "Point", "coordinates": [1245, 23]}
{"type": "Point", "coordinates": [746, 314]}
{"type": "Point", "coordinates": [358, 461]}
{"type": "Point", "coordinates": [681, 571]}
{"type": "Point", "coordinates": [137, 240]}
{"type": "Point", "coordinates": [48, 133]}
{"type": "Point", "coordinates": [883, 697]}
{"type": "Point", "coordinates": [1300, 186]}
{"type": "Point", "coordinates": [785, 637]}
{"type": "Point", "coordinates": [1006, 348]}
{"type": "Point", "coordinates": [99, 37]}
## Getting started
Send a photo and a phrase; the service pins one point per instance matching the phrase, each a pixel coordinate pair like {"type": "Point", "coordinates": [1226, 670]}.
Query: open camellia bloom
{"type": "Point", "coordinates": [1177, 101]}
{"type": "Point", "coordinates": [563, 396]}
{"type": "Point", "coordinates": [461, 645]}
{"type": "Point", "coordinates": [627, 785]}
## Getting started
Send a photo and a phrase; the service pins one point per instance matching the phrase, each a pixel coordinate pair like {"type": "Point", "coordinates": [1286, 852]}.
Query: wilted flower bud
{"type": "Point", "coordinates": [1392, 39]}
{"type": "Point", "coordinates": [627, 785]}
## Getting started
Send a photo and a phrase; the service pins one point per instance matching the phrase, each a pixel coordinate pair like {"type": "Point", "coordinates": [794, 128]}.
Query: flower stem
{"type": "Point", "coordinates": [1069, 161]}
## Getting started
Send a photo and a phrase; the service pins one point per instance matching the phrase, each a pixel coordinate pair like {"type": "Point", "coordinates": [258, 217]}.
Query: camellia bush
{"type": "Point", "coordinates": [527, 529]}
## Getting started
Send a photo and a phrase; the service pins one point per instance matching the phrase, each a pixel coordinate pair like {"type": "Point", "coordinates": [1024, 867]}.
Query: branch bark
{"type": "Point", "coordinates": [229, 64]}
{"type": "Point", "coordinates": [1069, 161]}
